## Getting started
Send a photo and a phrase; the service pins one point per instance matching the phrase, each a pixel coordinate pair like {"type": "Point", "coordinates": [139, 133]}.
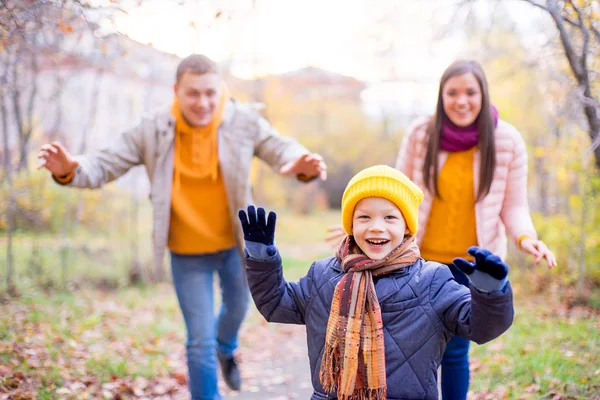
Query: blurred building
{"type": "Point", "coordinates": [87, 89]}
{"type": "Point", "coordinates": [91, 87]}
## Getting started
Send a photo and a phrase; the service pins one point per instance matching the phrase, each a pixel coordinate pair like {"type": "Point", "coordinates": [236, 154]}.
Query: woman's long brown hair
{"type": "Point", "coordinates": [485, 126]}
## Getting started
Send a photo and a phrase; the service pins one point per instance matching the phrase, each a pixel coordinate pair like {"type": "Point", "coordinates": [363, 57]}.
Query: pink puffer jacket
{"type": "Point", "coordinates": [504, 210]}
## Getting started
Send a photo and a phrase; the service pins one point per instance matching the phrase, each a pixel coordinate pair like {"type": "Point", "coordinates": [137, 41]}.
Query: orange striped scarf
{"type": "Point", "coordinates": [353, 362]}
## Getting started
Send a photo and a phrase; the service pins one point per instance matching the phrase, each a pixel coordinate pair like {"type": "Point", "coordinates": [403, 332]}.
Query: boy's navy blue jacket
{"type": "Point", "coordinates": [422, 306]}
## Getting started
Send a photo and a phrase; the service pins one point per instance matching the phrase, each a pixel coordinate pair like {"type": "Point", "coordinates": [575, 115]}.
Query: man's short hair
{"type": "Point", "coordinates": [196, 64]}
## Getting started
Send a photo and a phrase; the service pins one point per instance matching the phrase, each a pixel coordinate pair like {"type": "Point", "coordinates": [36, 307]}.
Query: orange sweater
{"type": "Point", "coordinates": [451, 227]}
{"type": "Point", "coordinates": [200, 219]}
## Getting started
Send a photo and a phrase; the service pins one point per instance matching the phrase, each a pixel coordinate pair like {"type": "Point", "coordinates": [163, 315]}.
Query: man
{"type": "Point", "coordinates": [197, 154]}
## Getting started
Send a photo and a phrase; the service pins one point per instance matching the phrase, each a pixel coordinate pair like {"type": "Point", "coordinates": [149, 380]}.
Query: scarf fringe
{"type": "Point", "coordinates": [330, 373]}
{"type": "Point", "coordinates": [365, 394]}
{"type": "Point", "coordinates": [330, 378]}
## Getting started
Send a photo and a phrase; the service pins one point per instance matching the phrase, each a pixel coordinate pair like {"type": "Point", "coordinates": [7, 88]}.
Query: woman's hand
{"type": "Point", "coordinates": [539, 250]}
{"type": "Point", "coordinates": [335, 236]}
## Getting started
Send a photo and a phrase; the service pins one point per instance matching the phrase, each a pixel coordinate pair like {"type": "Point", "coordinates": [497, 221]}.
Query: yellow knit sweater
{"type": "Point", "coordinates": [451, 227]}
{"type": "Point", "coordinates": [200, 219]}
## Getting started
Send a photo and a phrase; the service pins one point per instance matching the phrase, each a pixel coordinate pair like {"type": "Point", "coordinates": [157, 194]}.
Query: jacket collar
{"type": "Point", "coordinates": [228, 113]}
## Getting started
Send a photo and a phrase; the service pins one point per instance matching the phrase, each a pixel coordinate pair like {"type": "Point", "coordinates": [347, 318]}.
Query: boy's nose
{"type": "Point", "coordinates": [375, 227]}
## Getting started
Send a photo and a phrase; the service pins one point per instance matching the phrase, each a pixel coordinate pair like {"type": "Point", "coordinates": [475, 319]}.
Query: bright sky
{"type": "Point", "coordinates": [344, 36]}
{"type": "Point", "coordinates": [281, 35]}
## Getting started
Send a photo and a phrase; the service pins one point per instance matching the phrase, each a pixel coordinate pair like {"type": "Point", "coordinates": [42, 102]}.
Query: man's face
{"type": "Point", "coordinates": [199, 97]}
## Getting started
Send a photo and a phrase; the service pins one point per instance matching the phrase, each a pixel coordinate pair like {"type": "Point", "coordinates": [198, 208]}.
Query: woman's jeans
{"type": "Point", "coordinates": [207, 334]}
{"type": "Point", "coordinates": [455, 362]}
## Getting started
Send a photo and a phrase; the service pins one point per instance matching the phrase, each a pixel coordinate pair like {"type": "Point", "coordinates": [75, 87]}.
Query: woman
{"type": "Point", "coordinates": [472, 168]}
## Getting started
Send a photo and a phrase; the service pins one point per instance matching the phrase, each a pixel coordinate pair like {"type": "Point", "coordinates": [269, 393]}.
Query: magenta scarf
{"type": "Point", "coordinates": [460, 138]}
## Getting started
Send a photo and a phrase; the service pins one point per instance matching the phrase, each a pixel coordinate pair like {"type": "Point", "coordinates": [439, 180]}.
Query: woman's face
{"type": "Point", "coordinates": [461, 97]}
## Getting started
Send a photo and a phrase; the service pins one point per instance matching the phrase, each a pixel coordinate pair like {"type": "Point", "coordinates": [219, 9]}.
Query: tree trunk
{"type": "Point", "coordinates": [542, 200]}
{"type": "Point", "coordinates": [10, 214]}
{"type": "Point", "coordinates": [24, 113]}
{"type": "Point", "coordinates": [582, 239]}
{"type": "Point", "coordinates": [135, 267]}
{"type": "Point", "coordinates": [580, 70]}
{"type": "Point", "coordinates": [577, 59]}
{"type": "Point", "coordinates": [591, 114]}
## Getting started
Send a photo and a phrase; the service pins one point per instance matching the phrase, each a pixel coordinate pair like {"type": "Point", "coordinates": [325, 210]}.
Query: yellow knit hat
{"type": "Point", "coordinates": [388, 183]}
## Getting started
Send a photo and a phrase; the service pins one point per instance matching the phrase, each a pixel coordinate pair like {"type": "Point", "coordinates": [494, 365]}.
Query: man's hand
{"type": "Point", "coordinates": [309, 165]}
{"type": "Point", "coordinates": [56, 159]}
{"type": "Point", "coordinates": [485, 261]}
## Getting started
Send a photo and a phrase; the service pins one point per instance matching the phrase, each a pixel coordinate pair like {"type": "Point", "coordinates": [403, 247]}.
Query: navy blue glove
{"type": "Point", "coordinates": [488, 273]}
{"type": "Point", "coordinates": [259, 229]}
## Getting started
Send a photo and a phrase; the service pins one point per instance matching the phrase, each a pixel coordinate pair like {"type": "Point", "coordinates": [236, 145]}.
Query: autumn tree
{"type": "Point", "coordinates": [578, 25]}
{"type": "Point", "coordinates": [33, 36]}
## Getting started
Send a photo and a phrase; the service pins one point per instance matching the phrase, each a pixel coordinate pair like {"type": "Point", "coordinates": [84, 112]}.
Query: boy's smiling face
{"type": "Point", "coordinates": [378, 226]}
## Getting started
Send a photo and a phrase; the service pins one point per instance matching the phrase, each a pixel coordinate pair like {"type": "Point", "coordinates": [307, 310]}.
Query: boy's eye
{"type": "Point", "coordinates": [391, 217]}
{"type": "Point", "coordinates": [363, 217]}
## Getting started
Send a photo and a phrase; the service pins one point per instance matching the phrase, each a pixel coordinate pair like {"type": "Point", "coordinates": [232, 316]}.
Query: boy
{"type": "Point", "coordinates": [377, 316]}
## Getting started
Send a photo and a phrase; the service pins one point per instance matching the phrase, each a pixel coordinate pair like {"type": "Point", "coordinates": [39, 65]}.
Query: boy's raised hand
{"type": "Point", "coordinates": [487, 265]}
{"type": "Point", "coordinates": [485, 261]}
{"type": "Point", "coordinates": [256, 227]}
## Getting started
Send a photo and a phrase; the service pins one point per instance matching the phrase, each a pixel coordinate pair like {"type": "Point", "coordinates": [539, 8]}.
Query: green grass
{"type": "Point", "coordinates": [45, 394]}
{"type": "Point", "coordinates": [87, 258]}
{"type": "Point", "coordinates": [57, 336]}
{"type": "Point", "coordinates": [132, 332]}
{"type": "Point", "coordinates": [57, 265]}
{"type": "Point", "coordinates": [548, 350]}
{"type": "Point", "coordinates": [107, 367]}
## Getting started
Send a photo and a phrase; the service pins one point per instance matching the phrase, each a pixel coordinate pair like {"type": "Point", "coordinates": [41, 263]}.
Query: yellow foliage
{"type": "Point", "coordinates": [43, 205]}
{"type": "Point", "coordinates": [575, 201]}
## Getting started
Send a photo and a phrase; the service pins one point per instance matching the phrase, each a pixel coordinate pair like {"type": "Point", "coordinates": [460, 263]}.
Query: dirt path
{"type": "Point", "coordinates": [273, 361]}
{"type": "Point", "coordinates": [274, 364]}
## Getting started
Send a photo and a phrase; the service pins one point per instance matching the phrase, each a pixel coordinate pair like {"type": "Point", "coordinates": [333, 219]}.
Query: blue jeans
{"type": "Point", "coordinates": [207, 334]}
{"type": "Point", "coordinates": [455, 362]}
{"type": "Point", "coordinates": [455, 369]}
